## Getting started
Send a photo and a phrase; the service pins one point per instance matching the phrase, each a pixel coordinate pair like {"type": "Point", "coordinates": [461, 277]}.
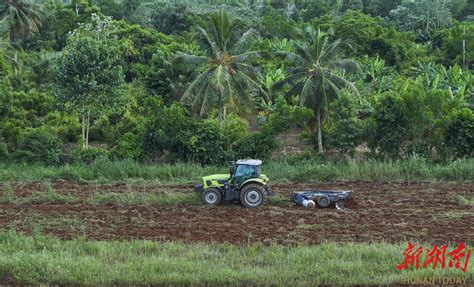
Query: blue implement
{"type": "Point", "coordinates": [323, 198]}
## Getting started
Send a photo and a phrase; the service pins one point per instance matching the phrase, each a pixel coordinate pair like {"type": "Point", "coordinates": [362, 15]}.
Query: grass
{"type": "Point", "coordinates": [7, 193]}
{"type": "Point", "coordinates": [413, 169]}
{"type": "Point", "coordinates": [48, 196]}
{"type": "Point", "coordinates": [457, 214]}
{"type": "Point", "coordinates": [144, 198]}
{"type": "Point", "coordinates": [38, 259]}
{"type": "Point", "coordinates": [135, 198]}
{"type": "Point", "coordinates": [465, 201]}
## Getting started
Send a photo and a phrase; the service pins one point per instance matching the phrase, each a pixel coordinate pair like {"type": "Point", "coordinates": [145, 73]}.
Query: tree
{"type": "Point", "coordinates": [224, 69]}
{"type": "Point", "coordinates": [391, 120]}
{"type": "Point", "coordinates": [455, 45]}
{"type": "Point", "coordinates": [460, 133]}
{"type": "Point", "coordinates": [425, 16]}
{"type": "Point", "coordinates": [345, 131]}
{"type": "Point", "coordinates": [352, 5]}
{"type": "Point", "coordinates": [164, 17]}
{"type": "Point", "coordinates": [315, 75]}
{"type": "Point", "coordinates": [89, 72]}
{"type": "Point", "coordinates": [23, 17]}
{"type": "Point", "coordinates": [4, 56]}
{"type": "Point", "coordinates": [129, 7]}
{"type": "Point", "coordinates": [286, 117]}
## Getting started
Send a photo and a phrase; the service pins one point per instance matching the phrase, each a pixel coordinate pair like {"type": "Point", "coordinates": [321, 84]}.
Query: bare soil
{"type": "Point", "coordinates": [389, 212]}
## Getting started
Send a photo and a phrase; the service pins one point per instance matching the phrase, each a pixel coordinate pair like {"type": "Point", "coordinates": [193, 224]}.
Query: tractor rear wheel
{"type": "Point", "coordinates": [252, 195]}
{"type": "Point", "coordinates": [211, 196]}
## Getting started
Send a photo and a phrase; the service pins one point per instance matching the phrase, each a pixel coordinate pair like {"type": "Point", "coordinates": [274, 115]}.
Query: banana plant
{"type": "Point", "coordinates": [265, 101]}
{"type": "Point", "coordinates": [459, 81]}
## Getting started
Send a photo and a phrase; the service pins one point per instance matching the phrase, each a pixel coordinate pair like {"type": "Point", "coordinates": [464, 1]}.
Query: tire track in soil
{"type": "Point", "coordinates": [391, 212]}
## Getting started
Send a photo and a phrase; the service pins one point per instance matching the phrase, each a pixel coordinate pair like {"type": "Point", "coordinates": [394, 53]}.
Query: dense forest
{"type": "Point", "coordinates": [206, 81]}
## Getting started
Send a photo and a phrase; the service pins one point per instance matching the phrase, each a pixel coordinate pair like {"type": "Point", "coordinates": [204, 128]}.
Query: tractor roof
{"type": "Point", "coordinates": [249, 162]}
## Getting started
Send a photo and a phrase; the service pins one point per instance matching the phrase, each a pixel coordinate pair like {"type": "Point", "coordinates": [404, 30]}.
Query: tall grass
{"type": "Point", "coordinates": [412, 169]}
{"type": "Point", "coordinates": [38, 259]}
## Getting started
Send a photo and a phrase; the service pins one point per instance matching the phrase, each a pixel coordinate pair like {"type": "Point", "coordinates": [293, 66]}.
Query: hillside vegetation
{"type": "Point", "coordinates": [208, 81]}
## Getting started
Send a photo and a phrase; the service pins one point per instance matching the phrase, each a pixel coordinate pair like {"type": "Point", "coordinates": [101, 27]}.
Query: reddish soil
{"type": "Point", "coordinates": [390, 212]}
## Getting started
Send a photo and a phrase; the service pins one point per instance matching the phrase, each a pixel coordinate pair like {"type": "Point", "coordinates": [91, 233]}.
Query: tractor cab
{"type": "Point", "coordinates": [244, 170]}
{"type": "Point", "coordinates": [244, 184]}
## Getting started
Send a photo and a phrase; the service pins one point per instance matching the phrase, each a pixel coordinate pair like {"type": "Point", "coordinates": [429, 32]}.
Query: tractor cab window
{"type": "Point", "coordinates": [245, 172]}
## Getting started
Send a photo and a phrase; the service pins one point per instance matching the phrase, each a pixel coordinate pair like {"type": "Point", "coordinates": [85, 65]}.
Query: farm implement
{"type": "Point", "coordinates": [324, 198]}
{"type": "Point", "coordinates": [246, 185]}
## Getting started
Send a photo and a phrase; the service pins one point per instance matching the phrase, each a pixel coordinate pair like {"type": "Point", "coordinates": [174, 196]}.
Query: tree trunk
{"type": "Point", "coordinates": [83, 128]}
{"type": "Point", "coordinates": [219, 114]}
{"type": "Point", "coordinates": [320, 138]}
{"type": "Point", "coordinates": [464, 48]}
{"type": "Point", "coordinates": [87, 131]}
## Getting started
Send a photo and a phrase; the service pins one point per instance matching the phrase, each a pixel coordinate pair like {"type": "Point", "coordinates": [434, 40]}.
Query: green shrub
{"type": "Point", "coordinates": [204, 143]}
{"type": "Point", "coordinates": [164, 130]}
{"type": "Point", "coordinates": [4, 154]}
{"type": "Point", "coordinates": [259, 145]}
{"type": "Point", "coordinates": [390, 129]}
{"type": "Point", "coordinates": [128, 147]}
{"type": "Point", "coordinates": [66, 126]}
{"type": "Point", "coordinates": [38, 145]}
{"type": "Point", "coordinates": [89, 155]}
{"type": "Point", "coordinates": [345, 130]}
{"type": "Point", "coordinates": [459, 135]}
{"type": "Point", "coordinates": [234, 129]}
{"type": "Point", "coordinates": [169, 131]}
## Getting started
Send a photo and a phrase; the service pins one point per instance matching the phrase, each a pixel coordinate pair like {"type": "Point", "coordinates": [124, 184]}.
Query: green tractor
{"type": "Point", "coordinates": [244, 184]}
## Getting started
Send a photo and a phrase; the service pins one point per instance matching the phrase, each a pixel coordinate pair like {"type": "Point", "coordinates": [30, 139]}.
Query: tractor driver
{"type": "Point", "coordinates": [244, 172]}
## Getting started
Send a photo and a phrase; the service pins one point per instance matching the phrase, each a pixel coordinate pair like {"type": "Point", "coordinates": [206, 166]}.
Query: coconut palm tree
{"type": "Point", "coordinates": [225, 72]}
{"type": "Point", "coordinates": [316, 75]}
{"type": "Point", "coordinates": [23, 18]}
{"type": "Point", "coordinates": [5, 46]}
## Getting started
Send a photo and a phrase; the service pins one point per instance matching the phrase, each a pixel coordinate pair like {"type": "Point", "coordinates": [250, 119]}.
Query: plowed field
{"type": "Point", "coordinates": [437, 213]}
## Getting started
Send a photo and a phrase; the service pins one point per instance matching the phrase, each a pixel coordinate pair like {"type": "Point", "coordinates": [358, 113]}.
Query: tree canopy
{"type": "Point", "coordinates": [208, 81]}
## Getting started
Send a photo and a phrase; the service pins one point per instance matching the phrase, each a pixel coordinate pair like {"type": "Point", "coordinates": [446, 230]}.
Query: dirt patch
{"type": "Point", "coordinates": [391, 212]}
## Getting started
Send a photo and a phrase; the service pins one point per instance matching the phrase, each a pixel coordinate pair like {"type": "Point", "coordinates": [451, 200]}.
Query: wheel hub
{"type": "Point", "coordinates": [211, 197]}
{"type": "Point", "coordinates": [253, 197]}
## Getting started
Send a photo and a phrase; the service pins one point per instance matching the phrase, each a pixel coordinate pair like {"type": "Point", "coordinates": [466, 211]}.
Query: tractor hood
{"type": "Point", "coordinates": [221, 179]}
{"type": "Point", "coordinates": [216, 177]}
{"type": "Point", "coordinates": [215, 180]}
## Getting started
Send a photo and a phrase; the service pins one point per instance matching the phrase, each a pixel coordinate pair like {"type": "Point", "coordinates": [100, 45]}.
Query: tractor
{"type": "Point", "coordinates": [244, 184]}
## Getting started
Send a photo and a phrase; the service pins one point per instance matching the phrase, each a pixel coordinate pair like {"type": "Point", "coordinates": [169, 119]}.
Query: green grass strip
{"type": "Point", "coordinates": [39, 259]}
{"type": "Point", "coordinates": [413, 169]}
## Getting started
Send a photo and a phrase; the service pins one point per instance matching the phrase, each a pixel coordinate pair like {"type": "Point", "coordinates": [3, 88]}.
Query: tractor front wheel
{"type": "Point", "coordinates": [252, 196]}
{"type": "Point", "coordinates": [211, 196]}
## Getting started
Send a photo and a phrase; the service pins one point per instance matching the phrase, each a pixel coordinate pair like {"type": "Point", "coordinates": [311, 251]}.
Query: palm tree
{"type": "Point", "coordinates": [316, 74]}
{"type": "Point", "coordinates": [23, 18]}
{"type": "Point", "coordinates": [5, 46]}
{"type": "Point", "coordinates": [224, 69]}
